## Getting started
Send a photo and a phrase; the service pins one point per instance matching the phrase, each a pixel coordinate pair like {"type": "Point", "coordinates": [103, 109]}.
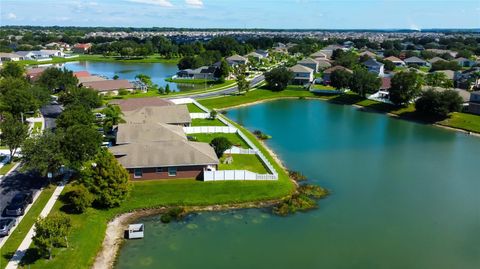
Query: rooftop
{"type": "Point", "coordinates": [177, 114]}
{"type": "Point", "coordinates": [136, 103]}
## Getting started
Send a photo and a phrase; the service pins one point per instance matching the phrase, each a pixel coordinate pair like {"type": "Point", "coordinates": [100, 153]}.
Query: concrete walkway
{"type": "Point", "coordinates": [27, 241]}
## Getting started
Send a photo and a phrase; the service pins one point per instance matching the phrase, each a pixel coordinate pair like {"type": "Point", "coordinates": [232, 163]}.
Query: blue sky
{"type": "Point", "coordinates": [277, 14]}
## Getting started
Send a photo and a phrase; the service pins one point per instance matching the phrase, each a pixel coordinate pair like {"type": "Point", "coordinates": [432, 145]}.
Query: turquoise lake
{"type": "Point", "coordinates": [404, 195]}
{"type": "Point", "coordinates": [157, 71]}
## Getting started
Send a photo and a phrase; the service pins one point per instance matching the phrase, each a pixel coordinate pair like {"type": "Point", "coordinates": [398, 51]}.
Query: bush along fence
{"type": "Point", "coordinates": [229, 128]}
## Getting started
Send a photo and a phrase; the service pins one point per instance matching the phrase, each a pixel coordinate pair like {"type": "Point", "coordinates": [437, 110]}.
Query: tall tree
{"type": "Point", "coordinates": [364, 82]}
{"type": "Point", "coordinates": [80, 96]}
{"type": "Point", "coordinates": [405, 87]}
{"type": "Point", "coordinates": [51, 232]}
{"type": "Point", "coordinates": [242, 84]}
{"type": "Point", "coordinates": [16, 97]}
{"type": "Point", "coordinates": [57, 79]}
{"type": "Point", "coordinates": [113, 116]}
{"type": "Point", "coordinates": [438, 79]}
{"type": "Point", "coordinates": [437, 105]}
{"type": "Point", "coordinates": [13, 70]}
{"type": "Point", "coordinates": [340, 79]}
{"type": "Point", "coordinates": [79, 144]}
{"type": "Point", "coordinates": [223, 70]}
{"type": "Point", "coordinates": [14, 133]}
{"type": "Point", "coordinates": [106, 178]}
{"type": "Point", "coordinates": [36, 148]}
{"type": "Point", "coordinates": [278, 78]}
{"type": "Point", "coordinates": [73, 115]}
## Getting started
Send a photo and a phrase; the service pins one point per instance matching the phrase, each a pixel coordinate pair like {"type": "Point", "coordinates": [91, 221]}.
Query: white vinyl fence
{"type": "Point", "coordinates": [229, 128]}
{"type": "Point", "coordinates": [199, 115]}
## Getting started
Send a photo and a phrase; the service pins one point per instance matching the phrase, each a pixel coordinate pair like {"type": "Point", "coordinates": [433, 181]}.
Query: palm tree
{"type": "Point", "coordinates": [113, 116]}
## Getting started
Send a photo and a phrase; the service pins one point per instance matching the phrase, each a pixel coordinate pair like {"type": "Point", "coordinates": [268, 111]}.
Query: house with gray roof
{"type": "Point", "coordinates": [301, 74]}
{"type": "Point", "coordinates": [154, 150]}
{"type": "Point", "coordinates": [236, 59]}
{"type": "Point", "coordinates": [7, 57]}
{"type": "Point", "coordinates": [203, 72]}
{"type": "Point", "coordinates": [414, 60]}
{"type": "Point", "coordinates": [464, 62]}
{"type": "Point", "coordinates": [176, 115]}
{"type": "Point", "coordinates": [436, 59]}
{"type": "Point", "coordinates": [474, 103]}
{"type": "Point", "coordinates": [310, 63]}
{"type": "Point", "coordinates": [323, 64]}
{"type": "Point", "coordinates": [374, 66]}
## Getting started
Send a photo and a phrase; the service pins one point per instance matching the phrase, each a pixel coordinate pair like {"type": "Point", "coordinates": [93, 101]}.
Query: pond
{"type": "Point", "coordinates": [404, 195]}
{"type": "Point", "coordinates": [157, 71]}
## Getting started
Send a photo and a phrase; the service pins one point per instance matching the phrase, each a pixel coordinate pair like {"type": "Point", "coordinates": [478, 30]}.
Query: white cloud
{"type": "Point", "coordinates": [162, 3]}
{"type": "Point", "coordinates": [194, 3]}
{"type": "Point", "coordinates": [11, 16]}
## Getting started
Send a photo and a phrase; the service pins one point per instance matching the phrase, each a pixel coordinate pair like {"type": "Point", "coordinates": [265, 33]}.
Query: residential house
{"type": "Point", "coordinates": [264, 53]}
{"type": "Point", "coordinates": [204, 72]}
{"type": "Point", "coordinates": [86, 79]}
{"type": "Point", "coordinates": [255, 55]}
{"type": "Point", "coordinates": [310, 63]}
{"type": "Point", "coordinates": [320, 55]}
{"type": "Point", "coordinates": [82, 48]}
{"type": "Point", "coordinates": [375, 67]}
{"type": "Point", "coordinates": [236, 60]}
{"type": "Point", "coordinates": [35, 55]}
{"type": "Point", "coordinates": [176, 115]}
{"type": "Point", "coordinates": [109, 86]}
{"type": "Point", "coordinates": [161, 151]}
{"type": "Point", "coordinates": [33, 74]}
{"type": "Point", "coordinates": [323, 64]}
{"type": "Point", "coordinates": [80, 74]}
{"type": "Point", "coordinates": [416, 61]}
{"type": "Point", "coordinates": [328, 72]}
{"type": "Point", "coordinates": [348, 44]}
{"type": "Point", "coordinates": [10, 57]}
{"type": "Point", "coordinates": [301, 74]}
{"type": "Point", "coordinates": [441, 52]}
{"type": "Point", "coordinates": [369, 54]}
{"type": "Point", "coordinates": [137, 103]}
{"type": "Point", "coordinates": [474, 103]}
{"type": "Point", "coordinates": [395, 60]}
{"type": "Point", "coordinates": [436, 59]}
{"type": "Point", "coordinates": [448, 73]}
{"type": "Point", "coordinates": [464, 62]}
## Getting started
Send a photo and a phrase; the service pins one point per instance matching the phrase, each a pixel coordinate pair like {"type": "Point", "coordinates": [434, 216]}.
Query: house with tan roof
{"type": "Point", "coordinates": [176, 115]}
{"type": "Point", "coordinates": [10, 57]}
{"type": "Point", "coordinates": [136, 103]}
{"type": "Point", "coordinates": [236, 59]}
{"type": "Point", "coordinates": [395, 60]}
{"type": "Point", "coordinates": [109, 86]}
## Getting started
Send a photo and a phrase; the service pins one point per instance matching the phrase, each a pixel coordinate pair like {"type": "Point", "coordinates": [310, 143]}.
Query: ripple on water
{"type": "Point", "coordinates": [238, 216]}
{"type": "Point", "coordinates": [192, 226]}
{"type": "Point", "coordinates": [265, 216]}
{"type": "Point", "coordinates": [214, 218]}
{"type": "Point", "coordinates": [257, 221]}
{"type": "Point", "coordinates": [146, 261]}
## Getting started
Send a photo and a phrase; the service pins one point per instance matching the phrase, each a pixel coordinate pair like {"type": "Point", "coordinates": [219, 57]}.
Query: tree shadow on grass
{"type": "Point", "coordinates": [346, 99]}
{"type": "Point", "coordinates": [31, 256]}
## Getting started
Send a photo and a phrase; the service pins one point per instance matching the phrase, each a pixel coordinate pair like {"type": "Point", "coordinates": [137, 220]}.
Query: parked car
{"type": "Point", "coordinates": [19, 202]}
{"type": "Point", "coordinates": [6, 226]}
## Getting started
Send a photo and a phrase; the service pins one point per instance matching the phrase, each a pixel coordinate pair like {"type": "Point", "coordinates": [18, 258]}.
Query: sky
{"type": "Point", "coordinates": [272, 14]}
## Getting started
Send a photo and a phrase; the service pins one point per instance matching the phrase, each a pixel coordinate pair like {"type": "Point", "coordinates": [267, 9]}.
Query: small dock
{"type": "Point", "coordinates": [135, 231]}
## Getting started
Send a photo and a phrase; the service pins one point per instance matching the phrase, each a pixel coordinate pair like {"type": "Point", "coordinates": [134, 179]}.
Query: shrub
{"type": "Point", "coordinates": [79, 198]}
{"type": "Point", "coordinates": [176, 213]}
{"type": "Point", "coordinates": [122, 92]}
{"type": "Point", "coordinates": [220, 145]}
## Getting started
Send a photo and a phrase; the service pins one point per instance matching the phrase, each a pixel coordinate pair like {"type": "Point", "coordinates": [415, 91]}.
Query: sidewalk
{"type": "Point", "coordinates": [27, 241]}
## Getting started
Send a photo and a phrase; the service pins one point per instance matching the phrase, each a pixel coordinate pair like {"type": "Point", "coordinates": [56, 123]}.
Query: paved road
{"type": "Point", "coordinates": [50, 113]}
{"type": "Point", "coordinates": [255, 81]}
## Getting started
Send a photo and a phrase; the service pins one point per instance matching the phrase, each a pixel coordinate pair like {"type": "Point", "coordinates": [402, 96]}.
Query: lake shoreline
{"type": "Point", "coordinates": [459, 130]}
{"type": "Point", "coordinates": [114, 235]}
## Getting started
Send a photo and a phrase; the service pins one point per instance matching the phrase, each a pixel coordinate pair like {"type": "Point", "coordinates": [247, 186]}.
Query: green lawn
{"type": "Point", "coordinates": [192, 108]}
{"type": "Point", "coordinates": [100, 58]}
{"type": "Point", "coordinates": [207, 122]}
{"type": "Point", "coordinates": [190, 81]}
{"type": "Point", "coordinates": [89, 228]}
{"type": "Point", "coordinates": [257, 95]}
{"type": "Point", "coordinates": [323, 87]}
{"type": "Point", "coordinates": [248, 162]}
{"type": "Point", "coordinates": [37, 127]}
{"type": "Point", "coordinates": [468, 122]}
{"type": "Point", "coordinates": [234, 138]}
{"type": "Point", "coordinates": [7, 167]}
{"type": "Point", "coordinates": [24, 226]}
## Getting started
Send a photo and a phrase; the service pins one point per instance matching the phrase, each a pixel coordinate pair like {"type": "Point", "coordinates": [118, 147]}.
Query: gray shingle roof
{"type": "Point", "coordinates": [149, 132]}
{"type": "Point", "coordinates": [162, 154]}
{"type": "Point", "coordinates": [177, 114]}
{"type": "Point", "coordinates": [300, 69]}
